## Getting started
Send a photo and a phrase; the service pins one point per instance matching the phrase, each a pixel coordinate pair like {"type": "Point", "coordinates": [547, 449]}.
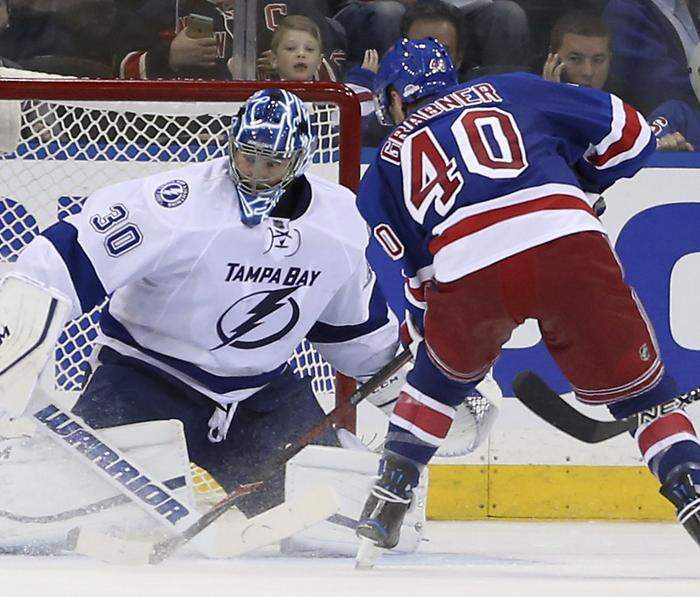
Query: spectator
{"type": "Point", "coordinates": [426, 19]}
{"type": "Point", "coordinates": [332, 36]}
{"type": "Point", "coordinates": [497, 37]}
{"type": "Point", "coordinates": [676, 126]}
{"type": "Point", "coordinates": [161, 51]}
{"type": "Point", "coordinates": [296, 49]}
{"type": "Point", "coordinates": [372, 24]}
{"type": "Point", "coordinates": [439, 20]}
{"type": "Point", "coordinates": [155, 49]}
{"type": "Point", "coordinates": [652, 41]}
{"type": "Point", "coordinates": [71, 37]}
{"type": "Point", "coordinates": [496, 30]}
{"type": "Point", "coordinates": [580, 53]}
{"type": "Point", "coordinates": [4, 24]}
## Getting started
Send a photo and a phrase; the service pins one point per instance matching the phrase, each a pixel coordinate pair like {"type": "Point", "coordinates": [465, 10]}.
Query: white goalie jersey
{"type": "Point", "coordinates": [220, 305]}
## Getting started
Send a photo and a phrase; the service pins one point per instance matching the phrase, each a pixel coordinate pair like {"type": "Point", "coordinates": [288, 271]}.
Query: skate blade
{"type": "Point", "coordinates": [367, 554]}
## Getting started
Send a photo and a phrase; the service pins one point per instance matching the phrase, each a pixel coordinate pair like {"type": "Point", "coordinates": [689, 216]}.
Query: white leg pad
{"type": "Point", "coordinates": [45, 489]}
{"type": "Point", "coordinates": [351, 474]}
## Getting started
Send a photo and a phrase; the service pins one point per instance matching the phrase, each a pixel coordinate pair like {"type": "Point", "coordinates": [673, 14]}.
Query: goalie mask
{"type": "Point", "coordinates": [270, 144]}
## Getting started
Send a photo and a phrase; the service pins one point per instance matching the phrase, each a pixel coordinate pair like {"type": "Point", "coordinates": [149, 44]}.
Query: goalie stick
{"type": "Point", "coordinates": [164, 549]}
{"type": "Point", "coordinates": [534, 393]}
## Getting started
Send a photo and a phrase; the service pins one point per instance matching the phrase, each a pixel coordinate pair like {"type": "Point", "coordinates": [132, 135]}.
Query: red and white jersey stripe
{"type": "Point", "coordinates": [423, 416]}
{"type": "Point", "coordinates": [475, 236]}
{"type": "Point", "coordinates": [656, 436]}
{"type": "Point", "coordinates": [414, 287]}
{"type": "Point", "coordinates": [629, 135]}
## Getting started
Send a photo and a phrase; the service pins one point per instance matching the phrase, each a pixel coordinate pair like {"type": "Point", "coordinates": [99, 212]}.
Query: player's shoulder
{"type": "Point", "coordinates": [545, 96]}
{"type": "Point", "coordinates": [198, 195]}
{"type": "Point", "coordinates": [326, 189]}
{"type": "Point", "coordinates": [513, 87]}
{"type": "Point", "coordinates": [334, 209]}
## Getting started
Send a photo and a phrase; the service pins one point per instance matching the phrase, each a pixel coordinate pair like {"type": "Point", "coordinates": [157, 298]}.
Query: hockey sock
{"type": "Point", "coordinates": [418, 425]}
{"type": "Point", "coordinates": [424, 411]}
{"type": "Point", "coordinates": [668, 442]}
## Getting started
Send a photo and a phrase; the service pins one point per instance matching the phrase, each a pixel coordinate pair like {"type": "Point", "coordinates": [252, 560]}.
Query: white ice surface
{"type": "Point", "coordinates": [509, 559]}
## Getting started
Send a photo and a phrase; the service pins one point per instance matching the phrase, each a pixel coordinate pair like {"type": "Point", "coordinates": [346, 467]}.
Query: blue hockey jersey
{"type": "Point", "coordinates": [493, 168]}
{"type": "Point", "coordinates": [675, 116]}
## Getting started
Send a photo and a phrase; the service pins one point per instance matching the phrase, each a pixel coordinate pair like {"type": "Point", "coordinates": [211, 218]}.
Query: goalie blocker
{"type": "Point", "coordinates": [31, 319]}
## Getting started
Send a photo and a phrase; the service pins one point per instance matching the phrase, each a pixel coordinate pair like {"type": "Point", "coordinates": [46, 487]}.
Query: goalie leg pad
{"type": "Point", "coordinates": [115, 395]}
{"type": "Point", "coordinates": [351, 474]}
{"type": "Point", "coordinates": [31, 319]}
{"type": "Point", "coordinates": [46, 491]}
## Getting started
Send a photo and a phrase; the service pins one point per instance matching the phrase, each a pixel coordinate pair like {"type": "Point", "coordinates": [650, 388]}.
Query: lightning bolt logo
{"type": "Point", "coordinates": [272, 301]}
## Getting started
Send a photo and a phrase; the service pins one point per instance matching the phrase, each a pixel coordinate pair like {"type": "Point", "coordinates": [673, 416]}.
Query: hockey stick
{"type": "Point", "coordinates": [226, 539]}
{"type": "Point", "coordinates": [164, 549]}
{"type": "Point", "coordinates": [534, 393]}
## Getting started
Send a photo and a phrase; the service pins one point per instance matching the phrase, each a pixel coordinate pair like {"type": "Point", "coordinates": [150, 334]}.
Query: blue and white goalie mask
{"type": "Point", "coordinates": [270, 145]}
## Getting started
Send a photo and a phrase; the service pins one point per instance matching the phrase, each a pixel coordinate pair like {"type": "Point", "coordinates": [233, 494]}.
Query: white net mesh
{"type": "Point", "coordinates": [67, 149]}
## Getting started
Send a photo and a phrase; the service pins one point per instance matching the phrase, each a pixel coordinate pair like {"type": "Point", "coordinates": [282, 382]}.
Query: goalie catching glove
{"type": "Point", "coordinates": [473, 418]}
{"type": "Point", "coordinates": [31, 319]}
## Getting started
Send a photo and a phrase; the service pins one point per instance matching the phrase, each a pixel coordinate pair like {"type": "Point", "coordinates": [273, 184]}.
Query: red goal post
{"type": "Point", "coordinates": [60, 139]}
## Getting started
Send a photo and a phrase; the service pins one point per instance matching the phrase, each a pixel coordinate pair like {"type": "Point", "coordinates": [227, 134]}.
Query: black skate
{"type": "Point", "coordinates": [381, 518]}
{"type": "Point", "coordinates": [681, 490]}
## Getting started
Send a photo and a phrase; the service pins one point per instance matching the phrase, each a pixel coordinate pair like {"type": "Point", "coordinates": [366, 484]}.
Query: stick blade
{"type": "Point", "coordinates": [534, 393]}
{"type": "Point", "coordinates": [108, 548]}
{"type": "Point", "coordinates": [282, 521]}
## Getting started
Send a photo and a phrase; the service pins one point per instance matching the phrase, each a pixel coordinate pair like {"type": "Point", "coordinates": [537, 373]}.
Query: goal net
{"type": "Point", "coordinates": [60, 140]}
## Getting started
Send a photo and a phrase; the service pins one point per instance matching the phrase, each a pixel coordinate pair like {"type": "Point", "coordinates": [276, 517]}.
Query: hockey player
{"type": "Point", "coordinates": [484, 193]}
{"type": "Point", "coordinates": [216, 272]}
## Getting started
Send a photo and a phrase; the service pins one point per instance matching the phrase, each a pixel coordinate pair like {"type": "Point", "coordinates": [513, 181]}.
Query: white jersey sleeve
{"type": "Point", "coordinates": [89, 255]}
{"type": "Point", "coordinates": [123, 233]}
{"type": "Point", "coordinates": [357, 333]}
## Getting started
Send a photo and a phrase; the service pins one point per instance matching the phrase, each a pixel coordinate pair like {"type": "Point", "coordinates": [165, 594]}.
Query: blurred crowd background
{"type": "Point", "coordinates": [645, 51]}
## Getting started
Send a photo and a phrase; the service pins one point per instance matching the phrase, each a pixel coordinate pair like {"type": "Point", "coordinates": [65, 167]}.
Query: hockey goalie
{"type": "Point", "coordinates": [215, 273]}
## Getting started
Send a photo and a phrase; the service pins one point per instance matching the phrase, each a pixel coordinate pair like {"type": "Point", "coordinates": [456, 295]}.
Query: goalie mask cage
{"type": "Point", "coordinates": [60, 140]}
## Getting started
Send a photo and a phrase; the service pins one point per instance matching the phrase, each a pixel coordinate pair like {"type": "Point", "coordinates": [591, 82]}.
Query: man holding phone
{"type": "Point", "coordinates": [198, 47]}
{"type": "Point", "coordinates": [201, 44]}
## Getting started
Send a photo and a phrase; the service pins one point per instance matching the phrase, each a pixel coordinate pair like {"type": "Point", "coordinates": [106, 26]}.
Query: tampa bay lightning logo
{"type": "Point", "coordinates": [173, 193]}
{"type": "Point", "coordinates": [258, 319]}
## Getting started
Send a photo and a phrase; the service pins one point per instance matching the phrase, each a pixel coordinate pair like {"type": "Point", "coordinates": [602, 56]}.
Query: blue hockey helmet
{"type": "Point", "coordinates": [270, 144]}
{"type": "Point", "coordinates": [416, 69]}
